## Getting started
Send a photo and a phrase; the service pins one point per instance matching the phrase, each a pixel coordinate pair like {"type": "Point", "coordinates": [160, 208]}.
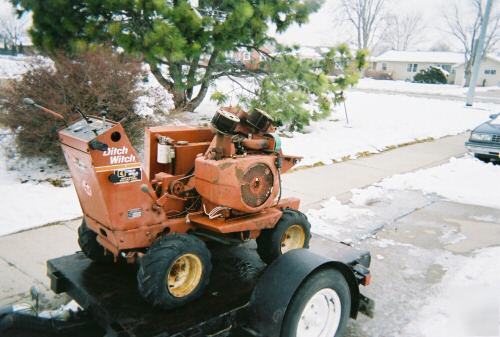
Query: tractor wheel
{"type": "Point", "coordinates": [87, 239]}
{"type": "Point", "coordinates": [174, 271]}
{"type": "Point", "coordinates": [292, 231]}
{"type": "Point", "coordinates": [321, 307]}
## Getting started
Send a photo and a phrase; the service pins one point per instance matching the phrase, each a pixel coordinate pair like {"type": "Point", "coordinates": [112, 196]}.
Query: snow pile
{"type": "Point", "coordinates": [368, 196]}
{"type": "Point", "coordinates": [30, 203]}
{"type": "Point", "coordinates": [324, 221]}
{"type": "Point", "coordinates": [465, 180]}
{"type": "Point", "coordinates": [15, 66]}
{"type": "Point", "coordinates": [378, 122]}
{"type": "Point", "coordinates": [156, 98]}
{"type": "Point", "coordinates": [466, 303]}
{"type": "Point", "coordinates": [12, 66]}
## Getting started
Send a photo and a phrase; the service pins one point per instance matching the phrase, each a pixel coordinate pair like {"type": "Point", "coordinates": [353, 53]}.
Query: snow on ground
{"type": "Point", "coordinates": [31, 203]}
{"type": "Point", "coordinates": [334, 210]}
{"type": "Point", "coordinates": [155, 97]}
{"type": "Point", "coordinates": [469, 293]}
{"type": "Point", "coordinates": [379, 121]}
{"type": "Point", "coordinates": [419, 88]}
{"type": "Point", "coordinates": [13, 66]}
{"type": "Point", "coordinates": [465, 180]}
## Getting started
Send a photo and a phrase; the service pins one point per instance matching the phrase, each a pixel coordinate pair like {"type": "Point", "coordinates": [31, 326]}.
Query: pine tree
{"type": "Point", "coordinates": [184, 47]}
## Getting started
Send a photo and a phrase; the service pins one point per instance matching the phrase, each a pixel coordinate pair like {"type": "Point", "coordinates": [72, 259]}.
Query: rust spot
{"type": "Point", "coordinates": [239, 173]}
{"type": "Point", "coordinates": [225, 165]}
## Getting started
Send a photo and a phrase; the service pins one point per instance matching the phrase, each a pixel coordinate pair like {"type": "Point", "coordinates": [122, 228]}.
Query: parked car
{"type": "Point", "coordinates": [484, 140]}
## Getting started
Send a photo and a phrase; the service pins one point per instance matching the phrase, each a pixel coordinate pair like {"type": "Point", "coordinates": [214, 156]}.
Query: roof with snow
{"type": "Point", "coordinates": [491, 57]}
{"type": "Point", "coordinates": [420, 57]}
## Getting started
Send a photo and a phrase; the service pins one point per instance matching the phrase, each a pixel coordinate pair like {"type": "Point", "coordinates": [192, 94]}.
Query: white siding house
{"type": "Point", "coordinates": [404, 65]}
{"type": "Point", "coordinates": [489, 72]}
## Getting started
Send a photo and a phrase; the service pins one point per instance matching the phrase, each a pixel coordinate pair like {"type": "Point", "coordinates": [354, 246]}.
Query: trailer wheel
{"type": "Point", "coordinates": [174, 271]}
{"type": "Point", "coordinates": [319, 308]}
{"type": "Point", "coordinates": [293, 231]}
{"type": "Point", "coordinates": [87, 239]}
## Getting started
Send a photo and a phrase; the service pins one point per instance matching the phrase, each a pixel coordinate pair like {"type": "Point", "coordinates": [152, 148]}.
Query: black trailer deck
{"type": "Point", "coordinates": [108, 293]}
{"type": "Point", "coordinates": [113, 300]}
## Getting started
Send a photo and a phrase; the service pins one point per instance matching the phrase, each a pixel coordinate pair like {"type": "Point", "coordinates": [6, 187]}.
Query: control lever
{"type": "Point", "coordinates": [30, 102]}
{"type": "Point", "coordinates": [145, 189]}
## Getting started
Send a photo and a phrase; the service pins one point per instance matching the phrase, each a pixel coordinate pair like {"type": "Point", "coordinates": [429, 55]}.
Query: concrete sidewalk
{"type": "Point", "coordinates": [320, 183]}
{"type": "Point", "coordinates": [23, 255]}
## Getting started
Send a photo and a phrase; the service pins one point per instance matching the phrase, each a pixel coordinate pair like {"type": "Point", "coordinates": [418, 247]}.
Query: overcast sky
{"type": "Point", "coordinates": [323, 30]}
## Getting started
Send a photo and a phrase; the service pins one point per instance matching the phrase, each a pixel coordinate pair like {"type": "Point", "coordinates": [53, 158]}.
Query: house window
{"type": "Point", "coordinates": [490, 72]}
{"type": "Point", "coordinates": [246, 56]}
{"type": "Point", "coordinates": [412, 68]}
{"type": "Point", "coordinates": [384, 66]}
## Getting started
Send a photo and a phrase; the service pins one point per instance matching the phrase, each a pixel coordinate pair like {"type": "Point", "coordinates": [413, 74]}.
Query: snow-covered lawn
{"type": "Point", "coordinates": [27, 199]}
{"type": "Point", "coordinates": [419, 88]}
{"type": "Point", "coordinates": [13, 66]}
{"type": "Point", "coordinates": [378, 122]}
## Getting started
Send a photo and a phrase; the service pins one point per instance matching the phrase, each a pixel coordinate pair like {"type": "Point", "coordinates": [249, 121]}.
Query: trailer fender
{"type": "Point", "coordinates": [280, 281]}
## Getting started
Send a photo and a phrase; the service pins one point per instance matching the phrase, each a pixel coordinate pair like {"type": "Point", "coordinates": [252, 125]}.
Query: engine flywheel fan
{"type": "Point", "coordinates": [257, 185]}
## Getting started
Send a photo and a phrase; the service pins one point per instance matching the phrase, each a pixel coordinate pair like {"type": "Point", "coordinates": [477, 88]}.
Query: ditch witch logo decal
{"type": "Point", "coordinates": [119, 155]}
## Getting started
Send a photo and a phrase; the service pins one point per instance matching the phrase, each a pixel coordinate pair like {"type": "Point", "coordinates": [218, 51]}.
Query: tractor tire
{"type": "Point", "coordinates": [321, 307]}
{"type": "Point", "coordinates": [175, 270]}
{"type": "Point", "coordinates": [87, 239]}
{"type": "Point", "coordinates": [293, 231]}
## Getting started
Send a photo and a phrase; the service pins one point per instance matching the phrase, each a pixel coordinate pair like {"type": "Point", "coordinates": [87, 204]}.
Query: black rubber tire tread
{"type": "Point", "coordinates": [326, 278]}
{"type": "Point", "coordinates": [269, 240]}
{"type": "Point", "coordinates": [155, 264]}
{"type": "Point", "coordinates": [87, 240]}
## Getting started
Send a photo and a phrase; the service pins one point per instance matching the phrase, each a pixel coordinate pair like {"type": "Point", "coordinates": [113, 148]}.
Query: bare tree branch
{"type": "Point", "coordinates": [465, 28]}
{"type": "Point", "coordinates": [366, 17]}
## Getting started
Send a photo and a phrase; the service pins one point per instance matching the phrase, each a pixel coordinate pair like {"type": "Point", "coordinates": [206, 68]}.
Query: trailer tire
{"type": "Point", "coordinates": [321, 293]}
{"type": "Point", "coordinates": [271, 241]}
{"type": "Point", "coordinates": [175, 270]}
{"type": "Point", "coordinates": [87, 240]}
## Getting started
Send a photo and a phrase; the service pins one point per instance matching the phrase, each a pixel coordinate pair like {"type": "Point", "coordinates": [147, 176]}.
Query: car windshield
{"type": "Point", "coordinates": [496, 120]}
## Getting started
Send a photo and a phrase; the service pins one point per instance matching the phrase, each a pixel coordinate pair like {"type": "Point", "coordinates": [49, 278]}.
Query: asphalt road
{"type": "Point", "coordinates": [480, 97]}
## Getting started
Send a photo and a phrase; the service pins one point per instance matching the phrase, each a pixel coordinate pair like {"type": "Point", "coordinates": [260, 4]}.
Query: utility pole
{"type": "Point", "coordinates": [478, 57]}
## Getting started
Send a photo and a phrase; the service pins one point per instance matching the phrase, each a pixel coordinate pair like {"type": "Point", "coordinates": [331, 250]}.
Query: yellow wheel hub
{"type": "Point", "coordinates": [184, 275]}
{"type": "Point", "coordinates": [293, 238]}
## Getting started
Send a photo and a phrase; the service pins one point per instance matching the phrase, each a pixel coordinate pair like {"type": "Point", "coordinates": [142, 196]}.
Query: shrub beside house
{"type": "Point", "coordinates": [404, 65]}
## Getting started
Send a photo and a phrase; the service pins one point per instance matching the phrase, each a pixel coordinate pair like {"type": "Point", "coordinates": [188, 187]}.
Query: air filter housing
{"type": "Point", "coordinates": [259, 119]}
{"type": "Point", "coordinates": [225, 122]}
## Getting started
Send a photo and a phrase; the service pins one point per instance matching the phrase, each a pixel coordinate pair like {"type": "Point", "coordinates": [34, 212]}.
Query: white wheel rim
{"type": "Point", "coordinates": [321, 315]}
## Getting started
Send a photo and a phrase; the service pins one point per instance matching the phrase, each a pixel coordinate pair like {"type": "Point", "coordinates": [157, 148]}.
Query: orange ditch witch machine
{"type": "Point", "coordinates": [196, 185]}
